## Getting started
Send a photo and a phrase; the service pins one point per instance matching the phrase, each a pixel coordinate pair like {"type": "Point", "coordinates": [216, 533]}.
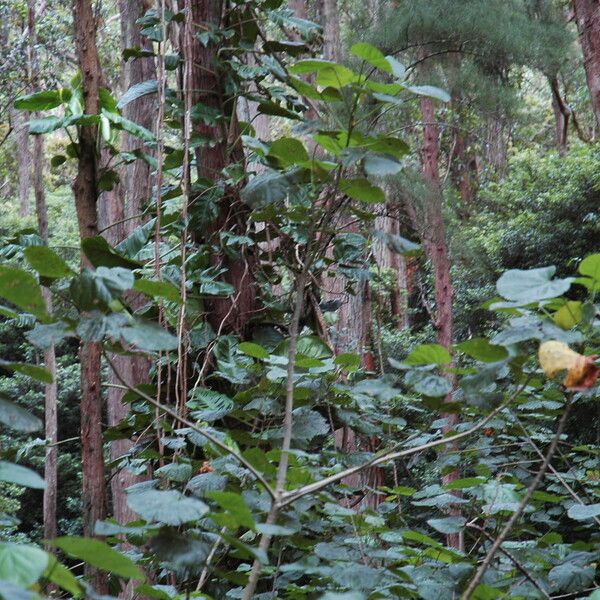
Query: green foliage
{"type": "Point", "coordinates": [256, 452]}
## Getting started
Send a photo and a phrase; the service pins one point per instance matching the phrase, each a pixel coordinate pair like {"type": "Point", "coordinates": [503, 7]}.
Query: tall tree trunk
{"type": "Point", "coordinates": [85, 189]}
{"type": "Point", "coordinates": [587, 16]}
{"type": "Point", "coordinates": [436, 248]}
{"type": "Point", "coordinates": [332, 47]}
{"type": "Point", "coordinates": [224, 314]}
{"type": "Point", "coordinates": [19, 122]}
{"type": "Point", "coordinates": [562, 115]}
{"type": "Point", "coordinates": [127, 202]}
{"type": "Point", "coordinates": [50, 389]}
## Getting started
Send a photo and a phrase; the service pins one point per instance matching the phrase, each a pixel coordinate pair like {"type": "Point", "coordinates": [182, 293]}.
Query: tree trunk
{"type": "Point", "coordinates": [436, 249]}
{"type": "Point", "coordinates": [587, 16]}
{"type": "Point", "coordinates": [127, 202]}
{"type": "Point", "coordinates": [496, 144]}
{"type": "Point", "coordinates": [562, 116]}
{"type": "Point", "coordinates": [332, 47]}
{"type": "Point", "coordinates": [19, 122]}
{"type": "Point", "coordinates": [224, 314]}
{"type": "Point", "coordinates": [386, 258]}
{"type": "Point", "coordinates": [50, 389]}
{"type": "Point", "coordinates": [85, 189]}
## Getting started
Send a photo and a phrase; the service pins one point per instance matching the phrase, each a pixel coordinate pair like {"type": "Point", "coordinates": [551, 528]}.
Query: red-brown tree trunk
{"type": "Point", "coordinates": [85, 189]}
{"type": "Point", "coordinates": [233, 313]}
{"type": "Point", "coordinates": [436, 249]}
{"type": "Point", "coordinates": [587, 16]}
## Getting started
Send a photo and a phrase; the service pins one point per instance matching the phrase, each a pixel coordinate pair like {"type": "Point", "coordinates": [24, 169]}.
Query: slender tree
{"type": "Point", "coordinates": [50, 389]}
{"type": "Point", "coordinates": [85, 189]}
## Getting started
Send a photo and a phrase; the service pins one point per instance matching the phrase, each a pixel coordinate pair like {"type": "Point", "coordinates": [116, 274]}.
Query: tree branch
{"type": "Point", "coordinates": [517, 514]}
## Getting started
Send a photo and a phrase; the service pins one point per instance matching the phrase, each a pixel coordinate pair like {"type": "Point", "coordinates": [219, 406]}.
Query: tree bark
{"type": "Point", "coordinates": [85, 189]}
{"type": "Point", "coordinates": [386, 258]}
{"type": "Point", "coordinates": [436, 248]}
{"type": "Point", "coordinates": [332, 47]}
{"type": "Point", "coordinates": [19, 122]}
{"type": "Point", "coordinates": [126, 203]}
{"type": "Point", "coordinates": [496, 144]}
{"type": "Point", "coordinates": [562, 115]}
{"type": "Point", "coordinates": [587, 16]}
{"type": "Point", "coordinates": [230, 314]}
{"type": "Point", "coordinates": [50, 389]}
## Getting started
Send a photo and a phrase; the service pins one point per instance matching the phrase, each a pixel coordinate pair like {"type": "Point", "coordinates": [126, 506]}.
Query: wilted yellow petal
{"type": "Point", "coordinates": [581, 371]}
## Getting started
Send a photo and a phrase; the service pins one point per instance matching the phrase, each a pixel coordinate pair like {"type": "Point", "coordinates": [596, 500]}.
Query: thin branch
{"type": "Point", "coordinates": [209, 436]}
{"type": "Point", "coordinates": [391, 454]}
{"type": "Point", "coordinates": [512, 558]}
{"type": "Point", "coordinates": [522, 505]}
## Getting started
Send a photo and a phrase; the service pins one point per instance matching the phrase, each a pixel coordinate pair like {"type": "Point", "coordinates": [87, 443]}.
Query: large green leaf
{"type": "Point", "coordinates": [43, 100]}
{"type": "Point", "coordinates": [524, 287]}
{"type": "Point", "coordinates": [21, 564]}
{"type": "Point", "coordinates": [267, 188]}
{"type": "Point", "coordinates": [91, 289]}
{"type": "Point", "coordinates": [46, 262]}
{"type": "Point", "coordinates": [99, 554]}
{"type": "Point", "coordinates": [371, 55]}
{"type": "Point", "coordinates": [481, 349]}
{"type": "Point", "coordinates": [101, 254]}
{"type": "Point", "coordinates": [308, 424]}
{"type": "Point", "coordinates": [17, 418]}
{"type": "Point", "coordinates": [590, 267]}
{"type": "Point", "coordinates": [21, 288]}
{"type": "Point", "coordinates": [288, 151]}
{"type": "Point", "coordinates": [149, 336]}
{"type": "Point", "coordinates": [209, 405]}
{"type": "Point", "coordinates": [166, 506]}
{"type": "Point", "coordinates": [43, 336]}
{"type": "Point", "coordinates": [138, 90]}
{"type": "Point", "coordinates": [381, 165]}
{"type": "Point", "coordinates": [235, 506]}
{"type": "Point", "coordinates": [10, 591]}
{"type": "Point", "coordinates": [33, 371]}
{"type": "Point", "coordinates": [581, 512]}
{"type": "Point", "coordinates": [61, 576]}
{"type": "Point", "coordinates": [20, 475]}
{"type": "Point", "coordinates": [45, 125]}
{"type": "Point", "coordinates": [363, 190]}
{"type": "Point", "coordinates": [429, 354]}
{"type": "Point", "coordinates": [571, 577]}
{"type": "Point", "coordinates": [433, 386]}
{"type": "Point", "coordinates": [329, 74]}
{"type": "Point", "coordinates": [180, 551]}
{"type": "Point", "coordinates": [254, 350]}
{"type": "Point", "coordinates": [430, 91]}
{"type": "Point", "coordinates": [158, 289]}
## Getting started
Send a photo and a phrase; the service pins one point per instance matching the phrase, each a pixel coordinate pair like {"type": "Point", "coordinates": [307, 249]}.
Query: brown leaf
{"type": "Point", "coordinates": [555, 357]}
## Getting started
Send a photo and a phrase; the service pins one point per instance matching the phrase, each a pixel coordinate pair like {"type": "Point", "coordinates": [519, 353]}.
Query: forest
{"type": "Point", "coordinates": [299, 299]}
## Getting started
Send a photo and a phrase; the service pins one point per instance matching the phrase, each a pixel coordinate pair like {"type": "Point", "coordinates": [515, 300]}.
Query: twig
{"type": "Point", "coordinates": [391, 454]}
{"type": "Point", "coordinates": [517, 514]}
{"type": "Point", "coordinates": [512, 558]}
{"type": "Point", "coordinates": [209, 436]}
